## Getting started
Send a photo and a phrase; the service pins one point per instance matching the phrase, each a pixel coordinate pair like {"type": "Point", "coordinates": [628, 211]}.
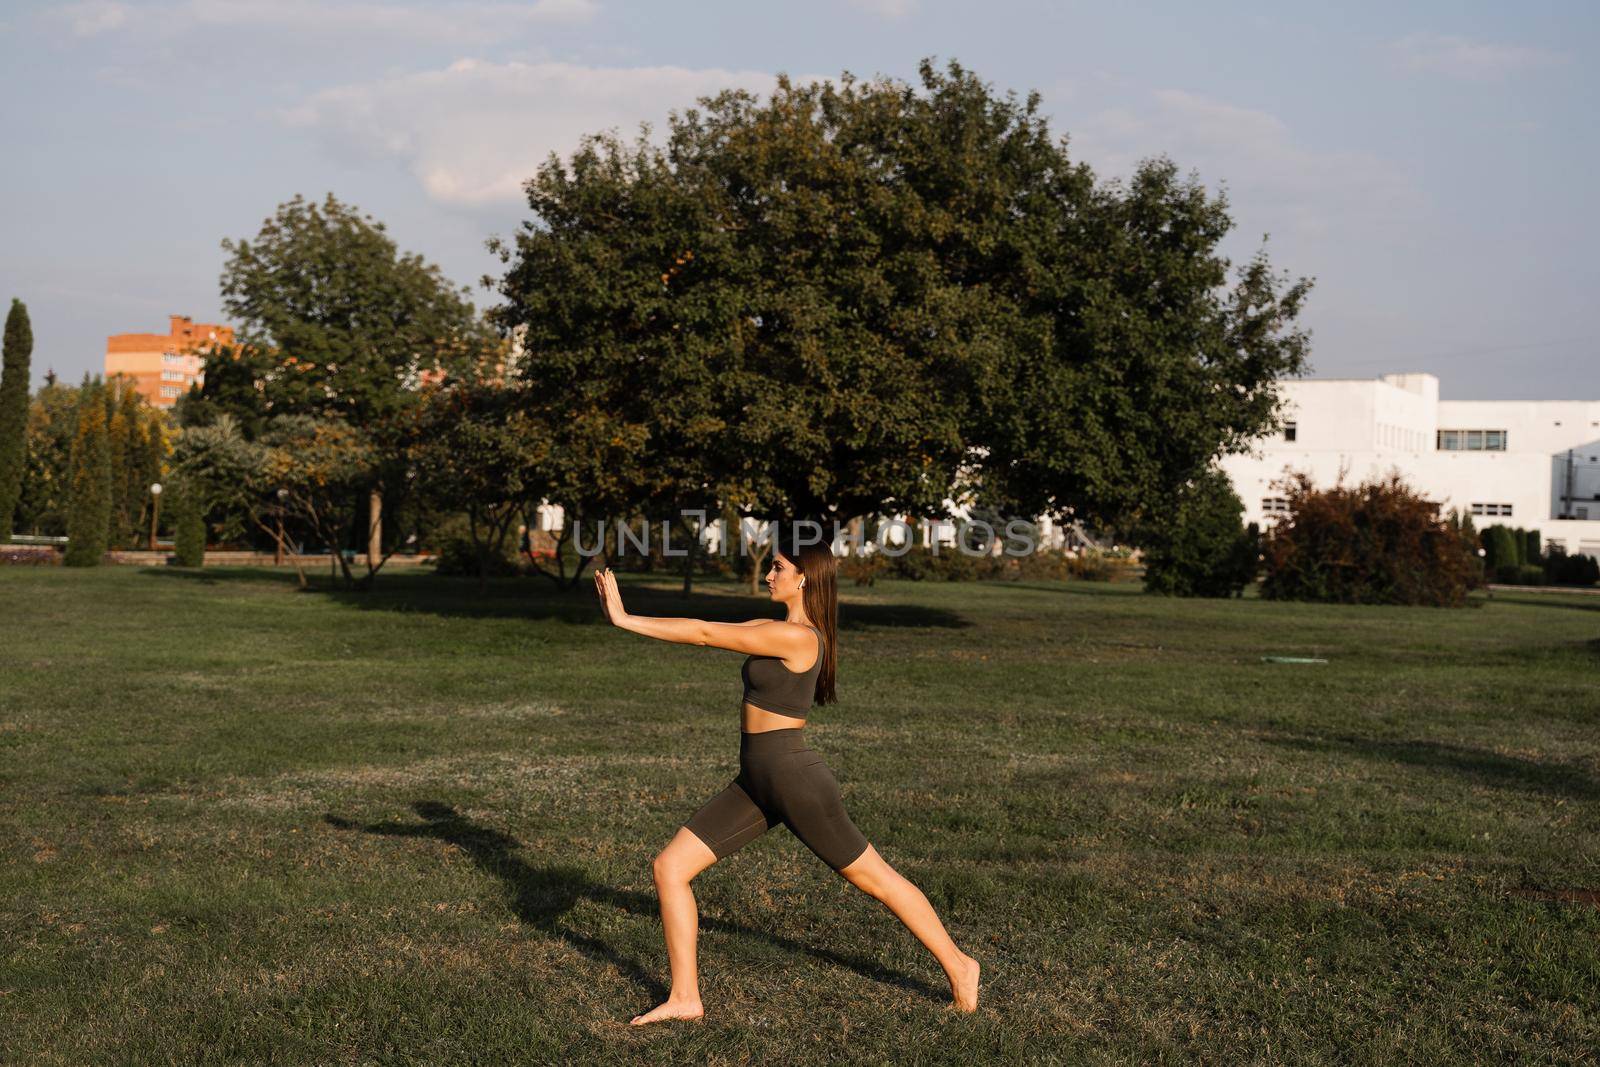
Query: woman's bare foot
{"type": "Point", "coordinates": [964, 985]}
{"type": "Point", "coordinates": [671, 1009]}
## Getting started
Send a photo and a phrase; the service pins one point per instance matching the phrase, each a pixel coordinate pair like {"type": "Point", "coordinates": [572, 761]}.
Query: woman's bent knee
{"type": "Point", "coordinates": [683, 858]}
{"type": "Point", "coordinates": [668, 868]}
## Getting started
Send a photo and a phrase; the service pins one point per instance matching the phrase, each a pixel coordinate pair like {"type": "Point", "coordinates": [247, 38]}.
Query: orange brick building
{"type": "Point", "coordinates": [163, 366]}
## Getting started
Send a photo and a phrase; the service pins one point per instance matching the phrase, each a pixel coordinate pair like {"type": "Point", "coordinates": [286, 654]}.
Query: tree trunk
{"type": "Point", "coordinates": [480, 549]}
{"type": "Point", "coordinates": [756, 562]}
{"type": "Point", "coordinates": [688, 561]}
{"type": "Point", "coordinates": [374, 530]}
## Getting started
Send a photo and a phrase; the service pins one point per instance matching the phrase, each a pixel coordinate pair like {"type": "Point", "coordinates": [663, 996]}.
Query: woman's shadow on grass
{"type": "Point", "coordinates": [540, 896]}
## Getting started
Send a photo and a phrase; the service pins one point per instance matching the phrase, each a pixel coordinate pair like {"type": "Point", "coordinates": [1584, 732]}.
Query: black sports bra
{"type": "Point", "coordinates": [771, 686]}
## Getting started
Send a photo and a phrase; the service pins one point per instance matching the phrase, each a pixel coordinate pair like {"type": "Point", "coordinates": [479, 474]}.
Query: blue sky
{"type": "Point", "coordinates": [1430, 164]}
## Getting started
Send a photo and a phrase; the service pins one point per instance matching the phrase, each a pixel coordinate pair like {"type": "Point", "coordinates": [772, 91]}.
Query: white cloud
{"type": "Point", "coordinates": [1471, 60]}
{"type": "Point", "coordinates": [892, 9]}
{"type": "Point", "coordinates": [1274, 182]}
{"type": "Point", "coordinates": [474, 20]}
{"type": "Point", "coordinates": [426, 21]}
{"type": "Point", "coordinates": [94, 16]}
{"type": "Point", "coordinates": [473, 132]}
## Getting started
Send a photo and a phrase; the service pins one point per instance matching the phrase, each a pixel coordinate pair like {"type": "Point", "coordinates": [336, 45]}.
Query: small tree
{"type": "Point", "coordinates": [1377, 543]}
{"type": "Point", "coordinates": [1199, 547]}
{"type": "Point", "coordinates": [234, 478]}
{"type": "Point", "coordinates": [320, 465]}
{"type": "Point", "coordinates": [474, 449]}
{"type": "Point", "coordinates": [1502, 549]}
{"type": "Point", "coordinates": [1532, 548]}
{"type": "Point", "coordinates": [89, 509]}
{"type": "Point", "coordinates": [189, 523]}
{"type": "Point", "coordinates": [133, 466]}
{"type": "Point", "coordinates": [47, 474]}
{"type": "Point", "coordinates": [117, 432]}
{"type": "Point", "coordinates": [1460, 523]}
{"type": "Point", "coordinates": [13, 412]}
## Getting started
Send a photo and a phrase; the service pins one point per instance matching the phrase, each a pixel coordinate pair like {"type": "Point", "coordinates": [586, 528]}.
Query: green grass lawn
{"type": "Point", "coordinates": [247, 824]}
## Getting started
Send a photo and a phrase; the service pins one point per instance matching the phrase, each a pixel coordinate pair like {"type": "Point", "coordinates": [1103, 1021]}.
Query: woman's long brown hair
{"type": "Point", "coordinates": [821, 599]}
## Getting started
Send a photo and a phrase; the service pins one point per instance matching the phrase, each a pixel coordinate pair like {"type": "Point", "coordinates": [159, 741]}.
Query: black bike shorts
{"type": "Point", "coordinates": [782, 780]}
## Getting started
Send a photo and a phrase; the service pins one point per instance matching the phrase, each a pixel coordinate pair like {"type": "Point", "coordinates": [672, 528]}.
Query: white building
{"type": "Point", "coordinates": [1528, 463]}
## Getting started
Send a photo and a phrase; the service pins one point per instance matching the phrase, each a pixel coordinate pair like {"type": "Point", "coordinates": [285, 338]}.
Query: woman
{"type": "Point", "coordinates": [791, 665]}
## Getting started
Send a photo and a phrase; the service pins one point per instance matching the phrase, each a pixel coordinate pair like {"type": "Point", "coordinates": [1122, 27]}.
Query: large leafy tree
{"type": "Point", "coordinates": [14, 372]}
{"type": "Point", "coordinates": [229, 389]}
{"type": "Point", "coordinates": [858, 297]}
{"type": "Point", "coordinates": [334, 322]}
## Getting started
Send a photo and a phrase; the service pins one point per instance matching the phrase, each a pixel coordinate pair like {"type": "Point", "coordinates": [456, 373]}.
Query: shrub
{"type": "Point", "coordinates": [1519, 574]}
{"type": "Point", "coordinates": [29, 556]}
{"type": "Point", "coordinates": [918, 563]}
{"type": "Point", "coordinates": [1199, 547]}
{"type": "Point", "coordinates": [1091, 566]}
{"type": "Point", "coordinates": [1377, 543]}
{"type": "Point", "coordinates": [1562, 569]}
{"type": "Point", "coordinates": [458, 558]}
{"type": "Point", "coordinates": [1532, 552]}
{"type": "Point", "coordinates": [189, 527]}
{"type": "Point", "coordinates": [864, 570]}
{"type": "Point", "coordinates": [1502, 547]}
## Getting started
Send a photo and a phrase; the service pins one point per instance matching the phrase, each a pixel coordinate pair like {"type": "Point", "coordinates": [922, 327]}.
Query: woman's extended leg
{"type": "Point", "coordinates": [674, 868]}
{"type": "Point", "coordinates": [883, 883]}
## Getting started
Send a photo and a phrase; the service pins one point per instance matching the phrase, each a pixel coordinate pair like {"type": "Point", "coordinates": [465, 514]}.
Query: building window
{"type": "Point", "coordinates": [1290, 430]}
{"type": "Point", "coordinates": [1491, 509]}
{"type": "Point", "coordinates": [1274, 504]}
{"type": "Point", "coordinates": [1472, 441]}
{"type": "Point", "coordinates": [170, 390]}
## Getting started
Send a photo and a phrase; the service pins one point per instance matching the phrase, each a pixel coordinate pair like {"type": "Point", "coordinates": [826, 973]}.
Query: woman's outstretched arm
{"type": "Point", "coordinates": [758, 637]}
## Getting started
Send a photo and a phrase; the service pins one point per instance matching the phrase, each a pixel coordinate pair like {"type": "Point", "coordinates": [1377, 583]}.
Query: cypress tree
{"type": "Point", "coordinates": [89, 506]}
{"type": "Point", "coordinates": [13, 412]}
{"type": "Point", "coordinates": [134, 468]}
{"type": "Point", "coordinates": [117, 448]}
{"type": "Point", "coordinates": [1532, 550]}
{"type": "Point", "coordinates": [155, 455]}
{"type": "Point", "coordinates": [136, 485]}
{"type": "Point", "coordinates": [1504, 548]}
{"type": "Point", "coordinates": [189, 527]}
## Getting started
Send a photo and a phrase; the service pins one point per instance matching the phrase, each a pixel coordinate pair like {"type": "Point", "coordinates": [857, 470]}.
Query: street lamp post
{"type": "Point", "coordinates": [155, 510]}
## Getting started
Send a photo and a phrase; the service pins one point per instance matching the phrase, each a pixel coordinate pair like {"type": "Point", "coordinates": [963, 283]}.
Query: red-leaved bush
{"type": "Point", "coordinates": [1376, 543]}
